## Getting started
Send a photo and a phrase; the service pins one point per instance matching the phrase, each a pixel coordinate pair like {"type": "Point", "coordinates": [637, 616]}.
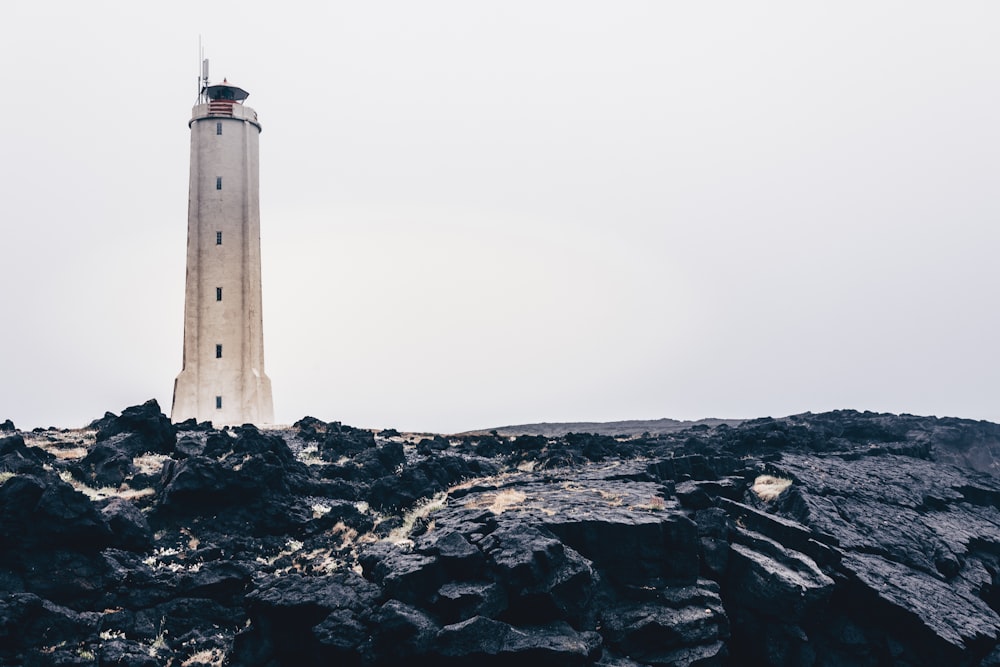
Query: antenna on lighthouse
{"type": "Point", "coordinates": [201, 55]}
{"type": "Point", "coordinates": [203, 76]}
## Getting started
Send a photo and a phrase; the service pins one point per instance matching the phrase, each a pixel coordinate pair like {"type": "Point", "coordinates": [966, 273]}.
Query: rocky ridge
{"type": "Point", "coordinates": [640, 427]}
{"type": "Point", "coordinates": [842, 538]}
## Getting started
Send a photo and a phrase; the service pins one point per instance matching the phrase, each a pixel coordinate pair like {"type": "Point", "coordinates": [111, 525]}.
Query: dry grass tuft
{"type": "Point", "coordinates": [401, 536]}
{"type": "Point", "coordinates": [70, 454]}
{"type": "Point", "coordinates": [211, 657]}
{"type": "Point", "coordinates": [67, 445]}
{"type": "Point", "coordinates": [769, 487]}
{"type": "Point", "coordinates": [613, 499]}
{"type": "Point", "coordinates": [499, 502]}
{"type": "Point", "coordinates": [346, 533]}
{"type": "Point", "coordinates": [657, 503]}
{"type": "Point", "coordinates": [150, 464]}
{"type": "Point", "coordinates": [124, 491]}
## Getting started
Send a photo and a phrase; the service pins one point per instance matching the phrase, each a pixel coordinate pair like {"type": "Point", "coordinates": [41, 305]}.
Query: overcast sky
{"type": "Point", "coordinates": [484, 213]}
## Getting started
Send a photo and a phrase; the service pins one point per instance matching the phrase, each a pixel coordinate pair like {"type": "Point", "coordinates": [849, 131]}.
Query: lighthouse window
{"type": "Point", "coordinates": [218, 351]}
{"type": "Point", "coordinates": [218, 127]}
{"type": "Point", "coordinates": [218, 182]}
{"type": "Point", "coordinates": [218, 402]}
{"type": "Point", "coordinates": [218, 294]}
{"type": "Point", "coordinates": [218, 238]}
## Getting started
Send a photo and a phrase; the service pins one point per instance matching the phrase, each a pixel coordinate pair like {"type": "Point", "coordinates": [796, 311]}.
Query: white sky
{"type": "Point", "coordinates": [484, 213]}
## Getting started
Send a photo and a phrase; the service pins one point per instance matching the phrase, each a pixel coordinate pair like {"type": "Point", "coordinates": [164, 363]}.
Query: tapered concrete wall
{"type": "Point", "coordinates": [227, 384]}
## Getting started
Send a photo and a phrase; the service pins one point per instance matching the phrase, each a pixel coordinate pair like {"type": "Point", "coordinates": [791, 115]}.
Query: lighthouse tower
{"type": "Point", "coordinates": [222, 379]}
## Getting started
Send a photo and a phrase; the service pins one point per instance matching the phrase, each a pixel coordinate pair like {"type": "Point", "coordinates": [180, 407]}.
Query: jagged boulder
{"type": "Point", "coordinates": [17, 458]}
{"type": "Point", "coordinates": [44, 512]}
{"type": "Point", "coordinates": [152, 429]}
{"type": "Point", "coordinates": [30, 626]}
{"type": "Point", "coordinates": [400, 632]}
{"type": "Point", "coordinates": [342, 440]}
{"type": "Point", "coordinates": [402, 574]}
{"type": "Point", "coordinates": [544, 579]}
{"type": "Point", "coordinates": [108, 463]}
{"type": "Point", "coordinates": [682, 626]}
{"type": "Point", "coordinates": [290, 620]}
{"type": "Point", "coordinates": [129, 527]}
{"type": "Point", "coordinates": [253, 473]}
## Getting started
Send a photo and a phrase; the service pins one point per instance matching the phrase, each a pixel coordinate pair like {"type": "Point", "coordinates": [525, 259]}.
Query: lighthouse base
{"type": "Point", "coordinates": [245, 400]}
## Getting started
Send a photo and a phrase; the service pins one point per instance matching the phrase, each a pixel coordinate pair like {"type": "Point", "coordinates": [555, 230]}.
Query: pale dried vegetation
{"type": "Point", "coordinates": [70, 454]}
{"type": "Point", "coordinates": [655, 503]}
{"type": "Point", "coordinates": [613, 499]}
{"type": "Point", "coordinates": [769, 487]}
{"type": "Point", "coordinates": [150, 464]}
{"type": "Point", "coordinates": [193, 541]}
{"type": "Point", "coordinates": [317, 561]}
{"type": "Point", "coordinates": [67, 445]}
{"type": "Point", "coordinates": [347, 534]}
{"type": "Point", "coordinates": [105, 492]}
{"type": "Point", "coordinates": [498, 502]}
{"type": "Point", "coordinates": [326, 560]}
{"type": "Point", "coordinates": [156, 561]}
{"type": "Point", "coordinates": [491, 480]}
{"type": "Point", "coordinates": [610, 498]}
{"type": "Point", "coordinates": [211, 657]}
{"type": "Point", "coordinates": [401, 535]}
{"type": "Point", "coordinates": [310, 455]}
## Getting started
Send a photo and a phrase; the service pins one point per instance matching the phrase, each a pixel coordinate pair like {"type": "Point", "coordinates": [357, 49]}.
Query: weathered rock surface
{"type": "Point", "coordinates": [821, 540]}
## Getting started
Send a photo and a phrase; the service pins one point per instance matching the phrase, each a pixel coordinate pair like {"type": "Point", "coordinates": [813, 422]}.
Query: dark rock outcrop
{"type": "Point", "coordinates": [842, 538]}
{"type": "Point", "coordinates": [149, 428]}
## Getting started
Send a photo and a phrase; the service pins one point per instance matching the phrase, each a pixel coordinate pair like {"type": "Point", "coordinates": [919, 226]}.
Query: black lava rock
{"type": "Point", "coordinates": [843, 538]}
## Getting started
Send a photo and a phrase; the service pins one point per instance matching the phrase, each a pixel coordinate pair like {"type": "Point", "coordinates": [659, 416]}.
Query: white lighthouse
{"type": "Point", "coordinates": [222, 379]}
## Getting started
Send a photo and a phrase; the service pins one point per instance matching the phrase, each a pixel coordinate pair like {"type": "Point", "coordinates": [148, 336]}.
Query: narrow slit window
{"type": "Point", "coordinates": [218, 238]}
{"type": "Point", "coordinates": [218, 182]}
{"type": "Point", "coordinates": [218, 294]}
{"type": "Point", "coordinates": [218, 402]}
{"type": "Point", "coordinates": [218, 351]}
{"type": "Point", "coordinates": [218, 127]}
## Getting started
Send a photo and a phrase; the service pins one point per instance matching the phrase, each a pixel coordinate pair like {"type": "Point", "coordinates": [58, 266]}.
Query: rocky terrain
{"type": "Point", "coordinates": [842, 538]}
{"type": "Point", "coordinates": [643, 427]}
